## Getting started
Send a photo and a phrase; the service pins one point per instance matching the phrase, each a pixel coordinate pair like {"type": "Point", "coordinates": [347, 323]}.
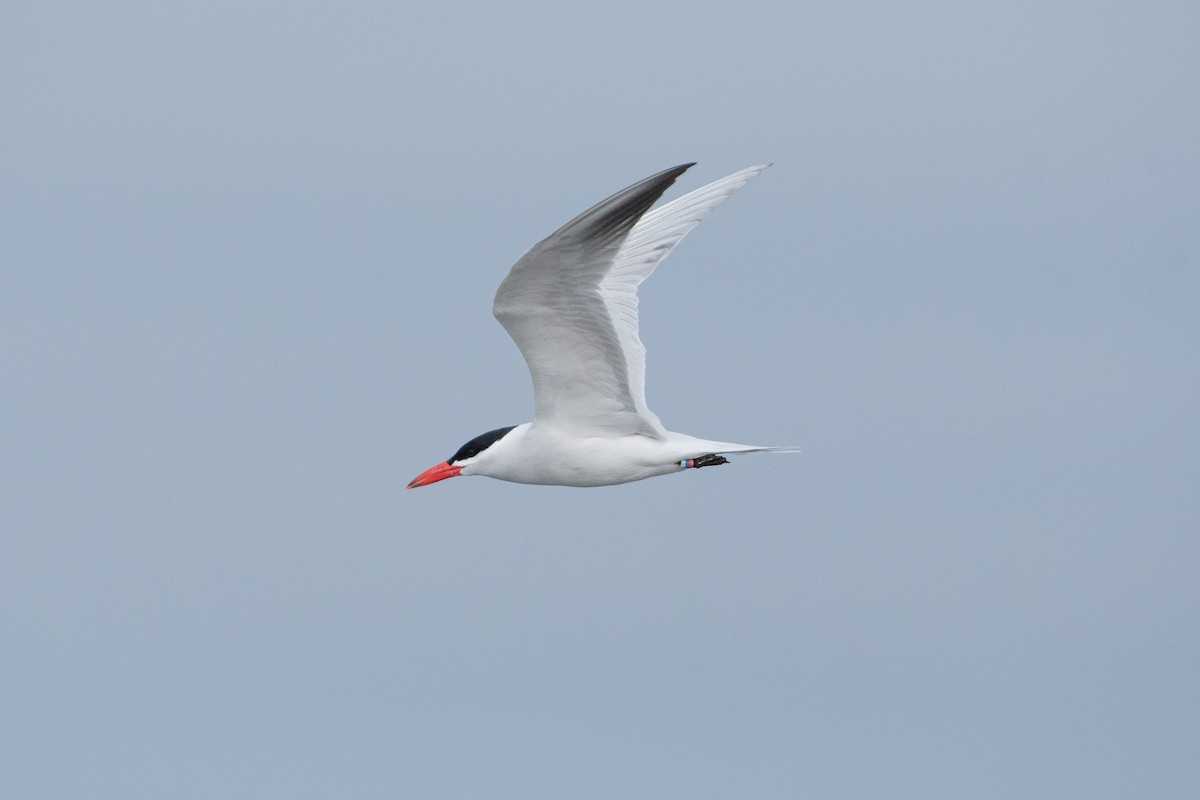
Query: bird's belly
{"type": "Point", "coordinates": [587, 461]}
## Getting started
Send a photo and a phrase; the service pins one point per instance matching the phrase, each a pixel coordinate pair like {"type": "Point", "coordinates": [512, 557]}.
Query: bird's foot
{"type": "Point", "coordinates": [710, 460]}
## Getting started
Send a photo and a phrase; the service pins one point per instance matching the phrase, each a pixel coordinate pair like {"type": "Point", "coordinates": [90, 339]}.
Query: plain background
{"type": "Point", "coordinates": [248, 254]}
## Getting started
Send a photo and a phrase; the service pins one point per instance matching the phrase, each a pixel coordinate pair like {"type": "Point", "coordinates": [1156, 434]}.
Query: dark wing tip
{"type": "Point", "coordinates": [617, 214]}
{"type": "Point", "coordinates": [668, 176]}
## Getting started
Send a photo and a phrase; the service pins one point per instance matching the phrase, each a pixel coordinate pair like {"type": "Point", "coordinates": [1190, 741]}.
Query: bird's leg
{"type": "Point", "coordinates": [710, 460]}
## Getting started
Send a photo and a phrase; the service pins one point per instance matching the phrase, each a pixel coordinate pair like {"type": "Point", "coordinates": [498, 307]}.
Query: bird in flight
{"type": "Point", "coordinates": [571, 306]}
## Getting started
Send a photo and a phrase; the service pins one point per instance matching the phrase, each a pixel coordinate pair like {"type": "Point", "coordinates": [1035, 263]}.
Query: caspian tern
{"type": "Point", "coordinates": [571, 306]}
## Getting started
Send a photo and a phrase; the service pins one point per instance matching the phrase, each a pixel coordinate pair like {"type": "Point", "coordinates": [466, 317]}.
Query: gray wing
{"type": "Point", "coordinates": [570, 304]}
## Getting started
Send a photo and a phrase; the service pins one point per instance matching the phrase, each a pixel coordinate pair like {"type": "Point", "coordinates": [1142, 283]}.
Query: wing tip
{"type": "Point", "coordinates": [675, 172]}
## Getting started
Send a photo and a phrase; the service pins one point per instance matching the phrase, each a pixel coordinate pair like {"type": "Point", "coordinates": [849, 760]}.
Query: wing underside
{"type": "Point", "coordinates": [570, 304]}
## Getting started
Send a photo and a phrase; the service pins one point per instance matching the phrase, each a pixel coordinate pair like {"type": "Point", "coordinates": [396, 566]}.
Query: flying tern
{"type": "Point", "coordinates": [571, 306]}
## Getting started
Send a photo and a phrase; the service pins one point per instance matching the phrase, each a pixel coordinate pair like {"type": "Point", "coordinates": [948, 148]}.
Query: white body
{"type": "Point", "coordinates": [543, 454]}
{"type": "Point", "coordinates": [571, 306]}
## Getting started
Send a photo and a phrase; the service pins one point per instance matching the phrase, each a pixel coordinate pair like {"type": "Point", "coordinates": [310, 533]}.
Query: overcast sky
{"type": "Point", "coordinates": [248, 257]}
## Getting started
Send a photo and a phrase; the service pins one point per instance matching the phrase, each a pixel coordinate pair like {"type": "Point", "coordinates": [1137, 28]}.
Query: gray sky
{"type": "Point", "coordinates": [248, 262]}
